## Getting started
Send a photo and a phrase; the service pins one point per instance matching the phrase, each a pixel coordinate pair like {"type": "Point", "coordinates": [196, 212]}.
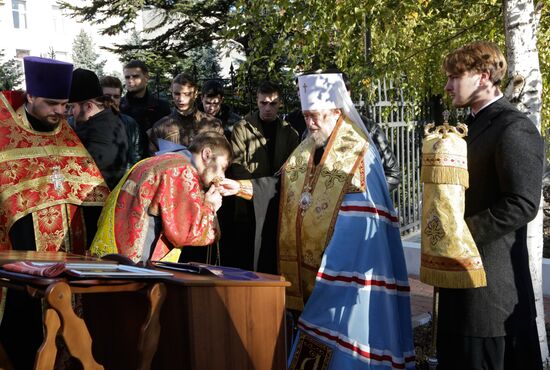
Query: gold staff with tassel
{"type": "Point", "coordinates": [450, 258]}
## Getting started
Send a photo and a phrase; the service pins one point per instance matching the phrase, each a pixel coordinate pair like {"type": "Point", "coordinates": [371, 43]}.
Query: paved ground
{"type": "Point", "coordinates": [421, 302]}
{"type": "Point", "coordinates": [421, 295]}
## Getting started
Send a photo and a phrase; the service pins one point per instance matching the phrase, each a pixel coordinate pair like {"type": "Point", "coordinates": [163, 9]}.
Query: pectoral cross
{"type": "Point", "coordinates": [306, 198]}
{"type": "Point", "coordinates": [305, 87]}
{"type": "Point", "coordinates": [57, 179]}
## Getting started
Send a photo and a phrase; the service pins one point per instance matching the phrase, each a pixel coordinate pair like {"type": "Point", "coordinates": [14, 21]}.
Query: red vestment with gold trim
{"type": "Point", "coordinates": [49, 175]}
{"type": "Point", "coordinates": [167, 187]}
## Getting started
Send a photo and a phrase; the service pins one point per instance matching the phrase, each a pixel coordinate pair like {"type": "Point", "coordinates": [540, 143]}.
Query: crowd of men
{"type": "Point", "coordinates": [307, 198]}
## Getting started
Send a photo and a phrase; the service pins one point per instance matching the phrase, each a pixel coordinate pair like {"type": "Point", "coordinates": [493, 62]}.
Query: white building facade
{"type": "Point", "coordinates": [41, 28]}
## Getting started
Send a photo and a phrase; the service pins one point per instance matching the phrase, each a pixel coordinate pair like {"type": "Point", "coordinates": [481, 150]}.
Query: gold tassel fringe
{"type": "Point", "coordinates": [444, 175]}
{"type": "Point", "coordinates": [453, 279]}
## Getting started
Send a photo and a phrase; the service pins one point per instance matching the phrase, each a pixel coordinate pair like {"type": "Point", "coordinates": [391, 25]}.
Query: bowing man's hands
{"type": "Point", "coordinates": [214, 197]}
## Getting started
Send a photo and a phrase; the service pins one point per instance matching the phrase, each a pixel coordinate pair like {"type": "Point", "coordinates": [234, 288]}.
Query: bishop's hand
{"type": "Point", "coordinates": [228, 187]}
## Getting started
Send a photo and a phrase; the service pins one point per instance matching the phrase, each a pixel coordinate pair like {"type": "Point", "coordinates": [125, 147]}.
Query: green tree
{"type": "Point", "coordinates": [84, 55]}
{"type": "Point", "coordinates": [404, 40]}
{"type": "Point", "coordinates": [184, 25]}
{"type": "Point", "coordinates": [49, 54]}
{"type": "Point", "coordinates": [202, 62]}
{"type": "Point", "coordinates": [173, 40]}
{"type": "Point", "coordinates": [543, 46]}
{"type": "Point", "coordinates": [11, 74]}
{"type": "Point", "coordinates": [161, 69]}
{"type": "Point", "coordinates": [369, 39]}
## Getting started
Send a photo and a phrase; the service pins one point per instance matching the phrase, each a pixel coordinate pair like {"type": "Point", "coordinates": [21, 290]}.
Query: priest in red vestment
{"type": "Point", "coordinates": [47, 177]}
{"type": "Point", "coordinates": [166, 202]}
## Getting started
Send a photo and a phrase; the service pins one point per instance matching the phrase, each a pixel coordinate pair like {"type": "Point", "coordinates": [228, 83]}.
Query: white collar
{"type": "Point", "coordinates": [487, 104]}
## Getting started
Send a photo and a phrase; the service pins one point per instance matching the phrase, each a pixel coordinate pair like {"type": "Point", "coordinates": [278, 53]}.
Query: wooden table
{"type": "Point", "coordinates": [206, 323]}
{"type": "Point", "coordinates": [59, 317]}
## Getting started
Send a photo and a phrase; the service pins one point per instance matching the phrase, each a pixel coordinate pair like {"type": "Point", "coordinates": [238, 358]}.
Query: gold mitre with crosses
{"type": "Point", "coordinates": [450, 258]}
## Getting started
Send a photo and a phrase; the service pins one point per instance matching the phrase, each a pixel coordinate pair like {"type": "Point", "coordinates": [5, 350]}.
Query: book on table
{"type": "Point", "coordinates": [224, 272]}
{"type": "Point", "coordinates": [53, 264]}
{"type": "Point", "coordinates": [112, 271]}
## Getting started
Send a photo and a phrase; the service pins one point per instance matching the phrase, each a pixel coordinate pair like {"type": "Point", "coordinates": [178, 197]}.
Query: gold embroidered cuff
{"type": "Point", "coordinates": [245, 191]}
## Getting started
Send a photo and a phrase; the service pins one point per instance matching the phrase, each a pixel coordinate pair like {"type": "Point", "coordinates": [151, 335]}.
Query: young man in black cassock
{"type": "Point", "coordinates": [493, 327]}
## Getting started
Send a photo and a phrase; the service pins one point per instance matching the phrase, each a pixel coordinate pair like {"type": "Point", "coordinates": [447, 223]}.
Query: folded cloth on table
{"type": "Point", "coordinates": [46, 270]}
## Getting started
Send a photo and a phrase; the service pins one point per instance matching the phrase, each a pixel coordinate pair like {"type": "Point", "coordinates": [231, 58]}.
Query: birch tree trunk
{"type": "Point", "coordinates": [525, 91]}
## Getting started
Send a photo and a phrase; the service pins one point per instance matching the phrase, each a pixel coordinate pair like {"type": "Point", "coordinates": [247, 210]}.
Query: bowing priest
{"type": "Point", "coordinates": [166, 202]}
{"type": "Point", "coordinates": [338, 239]}
{"type": "Point", "coordinates": [51, 191]}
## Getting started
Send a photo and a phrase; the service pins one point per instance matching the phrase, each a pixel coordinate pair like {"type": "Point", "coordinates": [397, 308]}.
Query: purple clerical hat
{"type": "Point", "coordinates": [48, 78]}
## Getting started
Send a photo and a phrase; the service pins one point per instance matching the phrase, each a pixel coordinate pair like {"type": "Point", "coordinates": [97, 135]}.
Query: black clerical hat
{"type": "Point", "coordinates": [85, 86]}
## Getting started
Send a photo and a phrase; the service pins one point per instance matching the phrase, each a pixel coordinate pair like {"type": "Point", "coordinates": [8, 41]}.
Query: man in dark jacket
{"type": "Point", "coordinates": [112, 87]}
{"type": "Point", "coordinates": [212, 103]}
{"type": "Point", "coordinates": [185, 121]}
{"type": "Point", "coordinates": [98, 127]}
{"type": "Point", "coordinates": [139, 103]}
{"type": "Point", "coordinates": [389, 162]}
{"type": "Point", "coordinates": [262, 141]}
{"type": "Point", "coordinates": [493, 327]}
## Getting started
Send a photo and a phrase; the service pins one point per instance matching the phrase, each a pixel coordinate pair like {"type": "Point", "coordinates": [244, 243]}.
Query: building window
{"type": "Point", "coordinates": [61, 55]}
{"type": "Point", "coordinates": [58, 24]}
{"type": "Point", "coordinates": [19, 11]}
{"type": "Point", "coordinates": [19, 55]}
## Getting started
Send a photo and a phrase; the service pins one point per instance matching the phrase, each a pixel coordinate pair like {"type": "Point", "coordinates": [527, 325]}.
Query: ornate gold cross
{"type": "Point", "coordinates": [335, 174]}
{"type": "Point", "coordinates": [294, 169]}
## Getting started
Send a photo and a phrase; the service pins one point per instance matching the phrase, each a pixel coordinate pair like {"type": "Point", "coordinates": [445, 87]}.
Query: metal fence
{"type": "Point", "coordinates": [400, 120]}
